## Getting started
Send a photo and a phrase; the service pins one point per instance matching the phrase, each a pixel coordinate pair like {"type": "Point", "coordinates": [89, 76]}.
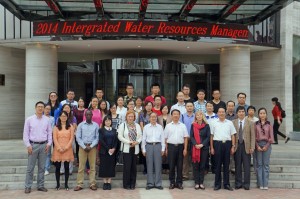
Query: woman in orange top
{"type": "Point", "coordinates": [63, 135]}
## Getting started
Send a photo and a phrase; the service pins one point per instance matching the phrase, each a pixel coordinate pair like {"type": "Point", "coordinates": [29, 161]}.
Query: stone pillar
{"type": "Point", "coordinates": [41, 74]}
{"type": "Point", "coordinates": [234, 72]}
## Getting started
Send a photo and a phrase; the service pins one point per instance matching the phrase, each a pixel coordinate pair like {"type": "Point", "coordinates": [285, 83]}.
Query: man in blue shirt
{"type": "Point", "coordinates": [187, 119]}
{"type": "Point", "coordinates": [87, 137]}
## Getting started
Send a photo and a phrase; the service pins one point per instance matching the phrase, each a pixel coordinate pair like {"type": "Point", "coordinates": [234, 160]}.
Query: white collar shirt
{"type": "Point", "coordinates": [175, 133]}
{"type": "Point", "coordinates": [222, 131]}
{"type": "Point", "coordinates": [153, 134]}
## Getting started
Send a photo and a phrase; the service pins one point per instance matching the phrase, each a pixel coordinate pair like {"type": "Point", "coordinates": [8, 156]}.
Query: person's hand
{"type": "Point", "coordinates": [264, 148]}
{"type": "Point", "coordinates": [184, 152]}
{"type": "Point", "coordinates": [111, 151]}
{"type": "Point", "coordinates": [232, 151]}
{"type": "Point", "coordinates": [162, 153]}
{"type": "Point", "coordinates": [87, 149]}
{"type": "Point", "coordinates": [98, 161]}
{"type": "Point", "coordinates": [47, 148]}
{"type": "Point", "coordinates": [144, 154]}
{"type": "Point", "coordinates": [251, 151]}
{"type": "Point", "coordinates": [212, 151]}
{"type": "Point", "coordinates": [259, 149]}
{"type": "Point", "coordinates": [201, 145]}
{"type": "Point", "coordinates": [166, 152]}
{"type": "Point", "coordinates": [29, 150]}
{"type": "Point", "coordinates": [197, 146]}
{"type": "Point", "coordinates": [61, 150]}
{"type": "Point", "coordinates": [279, 122]}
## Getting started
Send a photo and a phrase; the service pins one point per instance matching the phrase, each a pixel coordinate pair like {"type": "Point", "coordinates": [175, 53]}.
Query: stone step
{"type": "Point", "coordinates": [142, 184]}
{"type": "Point", "coordinates": [140, 168]}
{"type": "Point", "coordinates": [141, 176]}
{"type": "Point", "coordinates": [287, 154]}
{"type": "Point", "coordinates": [273, 161]}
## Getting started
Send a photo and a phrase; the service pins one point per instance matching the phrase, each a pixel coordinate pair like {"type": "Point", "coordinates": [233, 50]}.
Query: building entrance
{"type": "Point", "coordinates": [113, 75]}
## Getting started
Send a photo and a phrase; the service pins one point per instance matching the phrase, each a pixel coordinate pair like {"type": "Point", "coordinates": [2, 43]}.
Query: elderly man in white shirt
{"type": "Point", "coordinates": [222, 143]}
{"type": "Point", "coordinates": [176, 136]}
{"type": "Point", "coordinates": [153, 147]}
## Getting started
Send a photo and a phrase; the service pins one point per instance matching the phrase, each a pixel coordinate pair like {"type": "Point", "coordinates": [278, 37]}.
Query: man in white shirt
{"type": "Point", "coordinates": [180, 103]}
{"type": "Point", "coordinates": [176, 136]}
{"type": "Point", "coordinates": [153, 147]}
{"type": "Point", "coordinates": [222, 143]}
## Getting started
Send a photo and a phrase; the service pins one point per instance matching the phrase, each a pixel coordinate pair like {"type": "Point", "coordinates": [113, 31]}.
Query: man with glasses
{"type": "Point", "coordinates": [241, 98]}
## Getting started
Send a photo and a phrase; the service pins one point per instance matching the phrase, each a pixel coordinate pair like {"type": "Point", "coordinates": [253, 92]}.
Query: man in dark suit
{"type": "Point", "coordinates": [245, 145]}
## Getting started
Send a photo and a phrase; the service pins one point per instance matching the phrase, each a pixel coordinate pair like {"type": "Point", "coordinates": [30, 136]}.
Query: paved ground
{"type": "Point", "coordinates": [156, 194]}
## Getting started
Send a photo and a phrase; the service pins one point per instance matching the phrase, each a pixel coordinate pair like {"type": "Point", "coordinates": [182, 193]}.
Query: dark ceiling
{"type": "Point", "coordinates": [211, 11]}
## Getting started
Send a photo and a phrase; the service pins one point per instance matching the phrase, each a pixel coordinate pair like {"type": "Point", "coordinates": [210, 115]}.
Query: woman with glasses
{"type": "Point", "coordinates": [264, 139]}
{"type": "Point", "coordinates": [53, 102]}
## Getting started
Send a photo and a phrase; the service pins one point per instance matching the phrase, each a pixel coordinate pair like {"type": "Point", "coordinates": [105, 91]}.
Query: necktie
{"type": "Point", "coordinates": [241, 133]}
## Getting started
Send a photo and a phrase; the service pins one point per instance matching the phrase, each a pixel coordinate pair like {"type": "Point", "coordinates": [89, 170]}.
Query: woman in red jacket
{"type": "Point", "coordinates": [276, 111]}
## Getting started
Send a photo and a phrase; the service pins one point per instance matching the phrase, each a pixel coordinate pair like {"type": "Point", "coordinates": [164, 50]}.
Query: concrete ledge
{"type": "Point", "coordinates": [295, 135]}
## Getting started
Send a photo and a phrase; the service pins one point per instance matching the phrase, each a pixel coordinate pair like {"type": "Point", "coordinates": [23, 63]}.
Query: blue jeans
{"type": "Point", "coordinates": [48, 160]}
{"type": "Point", "coordinates": [263, 168]}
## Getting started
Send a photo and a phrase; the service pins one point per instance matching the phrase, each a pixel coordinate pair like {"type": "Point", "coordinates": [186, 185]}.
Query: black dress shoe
{"type": "Point", "coordinates": [149, 187]}
{"type": "Point", "coordinates": [217, 188]}
{"type": "Point", "coordinates": [159, 187]}
{"type": "Point", "coordinates": [132, 187]}
{"type": "Point", "coordinates": [238, 187]}
{"type": "Point", "coordinates": [27, 190]}
{"type": "Point", "coordinates": [179, 186]}
{"type": "Point", "coordinates": [127, 188]}
{"type": "Point", "coordinates": [229, 188]}
{"type": "Point", "coordinates": [172, 186]}
{"type": "Point", "coordinates": [104, 186]}
{"type": "Point", "coordinates": [108, 186]}
{"type": "Point", "coordinates": [246, 188]}
{"type": "Point", "coordinates": [43, 189]}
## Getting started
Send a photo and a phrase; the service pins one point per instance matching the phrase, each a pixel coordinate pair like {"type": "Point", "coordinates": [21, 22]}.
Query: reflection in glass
{"type": "Point", "coordinates": [296, 83]}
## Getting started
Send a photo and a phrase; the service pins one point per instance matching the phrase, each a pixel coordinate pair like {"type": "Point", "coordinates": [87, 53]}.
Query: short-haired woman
{"type": "Point", "coordinates": [130, 135]}
{"type": "Point", "coordinates": [108, 141]}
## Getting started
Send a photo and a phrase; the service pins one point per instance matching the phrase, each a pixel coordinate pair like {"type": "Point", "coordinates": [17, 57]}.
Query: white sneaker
{"type": "Point", "coordinates": [261, 188]}
{"type": "Point", "coordinates": [266, 188]}
{"type": "Point", "coordinates": [46, 173]}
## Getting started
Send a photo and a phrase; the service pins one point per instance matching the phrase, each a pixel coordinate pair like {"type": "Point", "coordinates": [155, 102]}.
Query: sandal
{"type": "Point", "coordinates": [202, 187]}
{"type": "Point", "coordinates": [197, 187]}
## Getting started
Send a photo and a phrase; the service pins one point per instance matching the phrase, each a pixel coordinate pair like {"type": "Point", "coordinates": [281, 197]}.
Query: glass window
{"type": "Point", "coordinates": [296, 83]}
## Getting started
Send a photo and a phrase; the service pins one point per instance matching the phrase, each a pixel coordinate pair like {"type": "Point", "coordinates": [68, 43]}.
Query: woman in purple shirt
{"type": "Point", "coordinates": [264, 139]}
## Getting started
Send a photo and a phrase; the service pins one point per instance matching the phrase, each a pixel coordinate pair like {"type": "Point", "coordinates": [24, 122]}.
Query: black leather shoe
{"type": "Point", "coordinates": [108, 186]}
{"type": "Point", "coordinates": [149, 187]}
{"type": "Point", "coordinates": [172, 186]}
{"type": "Point", "coordinates": [43, 189]}
{"type": "Point", "coordinates": [159, 187]}
{"type": "Point", "coordinates": [132, 187]}
{"type": "Point", "coordinates": [229, 188]}
{"type": "Point", "coordinates": [217, 188]}
{"type": "Point", "coordinates": [246, 188]}
{"type": "Point", "coordinates": [27, 190]}
{"type": "Point", "coordinates": [179, 186]}
{"type": "Point", "coordinates": [238, 187]}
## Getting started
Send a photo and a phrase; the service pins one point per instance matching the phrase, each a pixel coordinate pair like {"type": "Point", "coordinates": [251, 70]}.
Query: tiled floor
{"type": "Point", "coordinates": [187, 193]}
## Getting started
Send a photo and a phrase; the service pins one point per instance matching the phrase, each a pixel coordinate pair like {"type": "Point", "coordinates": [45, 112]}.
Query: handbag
{"type": "Point", "coordinates": [120, 158]}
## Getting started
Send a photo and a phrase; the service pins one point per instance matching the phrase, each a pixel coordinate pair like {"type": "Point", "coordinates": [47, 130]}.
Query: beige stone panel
{"type": "Point", "coordinates": [235, 72]}
{"type": "Point", "coordinates": [12, 94]}
{"type": "Point", "coordinates": [41, 74]}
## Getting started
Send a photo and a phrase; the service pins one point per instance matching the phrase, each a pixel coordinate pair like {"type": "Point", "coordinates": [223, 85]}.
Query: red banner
{"type": "Point", "coordinates": [93, 28]}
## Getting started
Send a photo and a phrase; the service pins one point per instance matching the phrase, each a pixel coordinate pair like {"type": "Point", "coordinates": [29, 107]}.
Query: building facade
{"type": "Point", "coordinates": [264, 66]}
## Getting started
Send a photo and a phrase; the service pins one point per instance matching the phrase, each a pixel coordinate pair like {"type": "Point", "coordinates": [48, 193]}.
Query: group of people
{"type": "Point", "coordinates": [204, 134]}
